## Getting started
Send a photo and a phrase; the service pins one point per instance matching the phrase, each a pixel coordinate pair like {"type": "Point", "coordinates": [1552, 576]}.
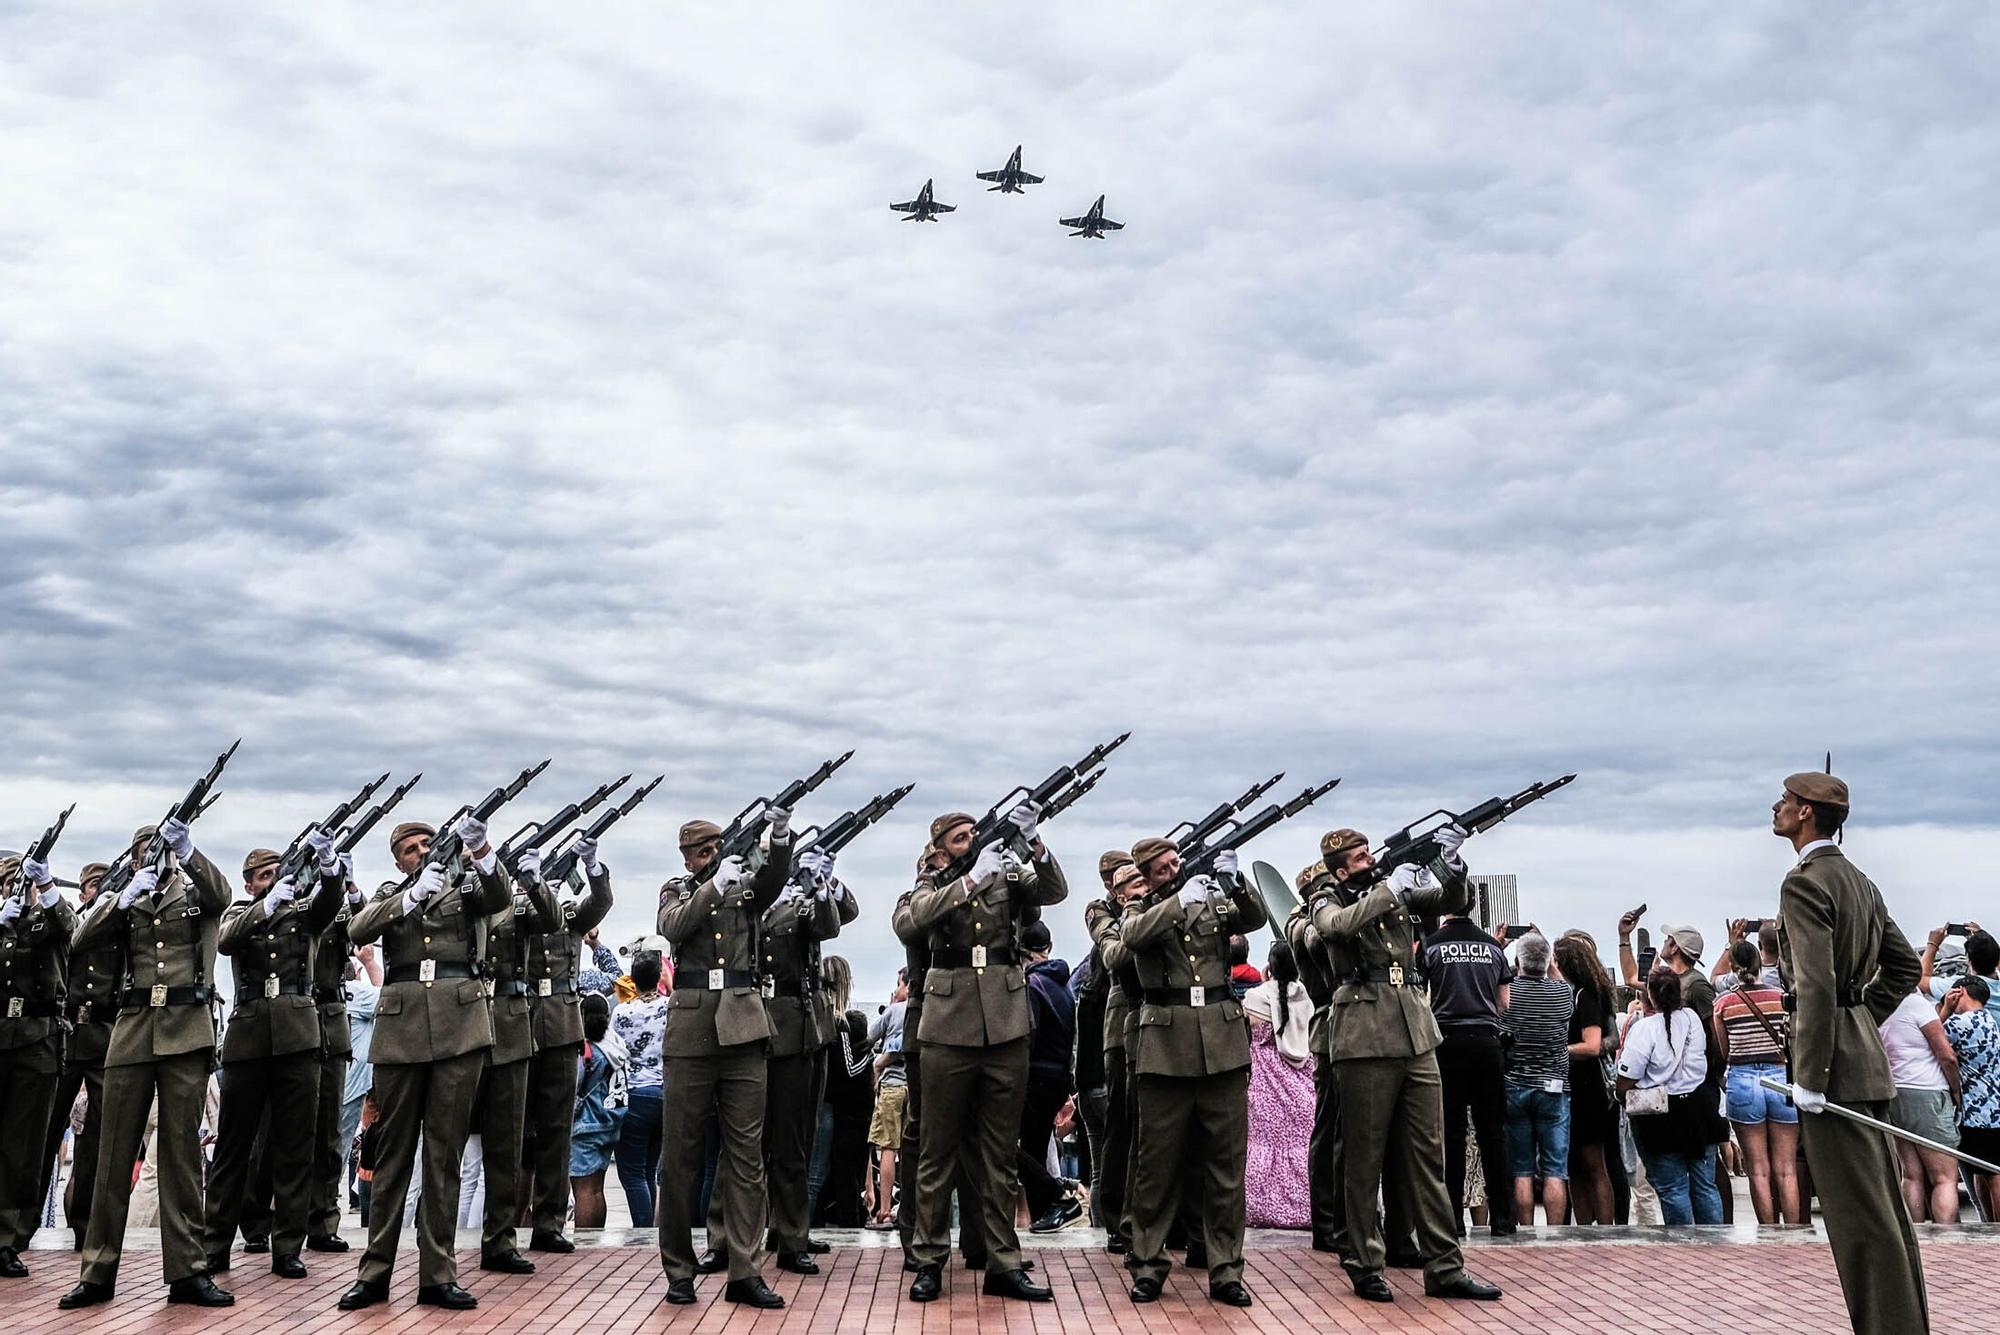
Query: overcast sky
{"type": "Point", "coordinates": [1474, 395]}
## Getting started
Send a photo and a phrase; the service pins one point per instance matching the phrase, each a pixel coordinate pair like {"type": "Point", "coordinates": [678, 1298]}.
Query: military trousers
{"type": "Point", "coordinates": [501, 1119]}
{"type": "Point", "coordinates": [325, 1200]}
{"type": "Point", "coordinates": [971, 1238]}
{"type": "Point", "coordinates": [1324, 1184]}
{"type": "Point", "coordinates": [551, 1119]}
{"type": "Point", "coordinates": [180, 1084]}
{"type": "Point", "coordinates": [89, 1077]}
{"type": "Point", "coordinates": [1190, 1129]}
{"type": "Point", "coordinates": [1392, 1140]}
{"type": "Point", "coordinates": [730, 1082]}
{"type": "Point", "coordinates": [789, 1116]}
{"type": "Point", "coordinates": [429, 1102]}
{"type": "Point", "coordinates": [1854, 1169]}
{"type": "Point", "coordinates": [286, 1090]}
{"type": "Point", "coordinates": [1114, 1167]}
{"type": "Point", "coordinates": [29, 1076]}
{"type": "Point", "coordinates": [1474, 1075]}
{"type": "Point", "coordinates": [972, 1119]}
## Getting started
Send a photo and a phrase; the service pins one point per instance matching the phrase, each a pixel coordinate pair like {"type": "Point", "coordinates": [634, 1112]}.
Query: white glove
{"type": "Point", "coordinates": [50, 897]}
{"type": "Point", "coordinates": [279, 895]}
{"type": "Point", "coordinates": [471, 832]}
{"type": "Point", "coordinates": [146, 882]}
{"type": "Point", "coordinates": [1450, 838]}
{"type": "Point", "coordinates": [1808, 1100]}
{"type": "Point", "coordinates": [779, 819]}
{"type": "Point", "coordinates": [1405, 879]}
{"type": "Point", "coordinates": [586, 853]}
{"type": "Point", "coordinates": [1195, 893]}
{"type": "Point", "coordinates": [321, 843]}
{"type": "Point", "coordinates": [347, 869]}
{"type": "Point", "coordinates": [178, 838]}
{"type": "Point", "coordinates": [529, 864]}
{"type": "Point", "coordinates": [355, 896]}
{"type": "Point", "coordinates": [1226, 863]}
{"type": "Point", "coordinates": [817, 867]}
{"type": "Point", "coordinates": [35, 873]}
{"type": "Point", "coordinates": [990, 865]}
{"type": "Point", "coordinates": [429, 881]}
{"type": "Point", "coordinates": [731, 875]}
{"type": "Point", "coordinates": [10, 910]}
{"type": "Point", "coordinates": [1027, 818]}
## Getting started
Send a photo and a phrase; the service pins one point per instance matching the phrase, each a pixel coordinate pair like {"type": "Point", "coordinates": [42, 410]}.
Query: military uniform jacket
{"type": "Point", "coordinates": [971, 1005]}
{"type": "Point", "coordinates": [1101, 920]}
{"type": "Point", "coordinates": [331, 953]}
{"type": "Point", "coordinates": [1849, 966]}
{"type": "Point", "coordinates": [1316, 973]}
{"type": "Point", "coordinates": [96, 975]}
{"type": "Point", "coordinates": [418, 1021]}
{"type": "Point", "coordinates": [531, 911]}
{"type": "Point", "coordinates": [169, 943]}
{"type": "Point", "coordinates": [1371, 941]}
{"type": "Point", "coordinates": [712, 937]}
{"type": "Point", "coordinates": [34, 973]}
{"type": "Point", "coordinates": [554, 959]}
{"type": "Point", "coordinates": [846, 910]}
{"type": "Point", "coordinates": [793, 926]}
{"type": "Point", "coordinates": [271, 955]}
{"type": "Point", "coordinates": [1176, 948]}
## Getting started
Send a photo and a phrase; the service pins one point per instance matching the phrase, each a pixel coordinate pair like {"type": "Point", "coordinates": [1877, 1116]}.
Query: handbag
{"type": "Point", "coordinates": [1648, 1102]}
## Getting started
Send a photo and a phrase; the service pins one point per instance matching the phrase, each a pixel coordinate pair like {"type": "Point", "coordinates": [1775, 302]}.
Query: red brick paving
{"type": "Point", "coordinates": [1552, 1289]}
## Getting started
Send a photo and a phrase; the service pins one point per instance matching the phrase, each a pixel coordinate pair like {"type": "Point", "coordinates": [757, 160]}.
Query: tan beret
{"type": "Point", "coordinates": [1125, 875]}
{"type": "Point", "coordinates": [405, 830]}
{"type": "Point", "coordinates": [1812, 786]}
{"type": "Point", "coordinates": [698, 832]}
{"type": "Point", "coordinates": [144, 834]}
{"type": "Point", "coordinates": [92, 871]}
{"type": "Point", "coordinates": [9, 864]}
{"type": "Point", "coordinates": [259, 857]}
{"type": "Point", "coordinates": [1335, 842]}
{"type": "Point", "coordinates": [1149, 848]}
{"type": "Point", "coordinates": [927, 859]}
{"type": "Point", "coordinates": [951, 820]}
{"type": "Point", "coordinates": [1111, 860]}
{"type": "Point", "coordinates": [1307, 875]}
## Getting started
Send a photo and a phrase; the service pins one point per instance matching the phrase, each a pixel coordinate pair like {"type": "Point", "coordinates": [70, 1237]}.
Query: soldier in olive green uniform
{"type": "Point", "coordinates": [162, 1048]}
{"type": "Point", "coordinates": [1192, 1065]}
{"type": "Point", "coordinates": [1384, 1042]}
{"type": "Point", "coordinates": [974, 1032]}
{"type": "Point", "coordinates": [433, 1029]}
{"type": "Point", "coordinates": [332, 966]}
{"type": "Point", "coordinates": [270, 1052]}
{"type": "Point", "coordinates": [1323, 1163]}
{"type": "Point", "coordinates": [1102, 918]}
{"type": "Point", "coordinates": [36, 925]}
{"type": "Point", "coordinates": [554, 958]}
{"type": "Point", "coordinates": [714, 1050]}
{"type": "Point", "coordinates": [500, 1113]}
{"type": "Point", "coordinates": [1847, 966]}
{"type": "Point", "coordinates": [92, 1005]}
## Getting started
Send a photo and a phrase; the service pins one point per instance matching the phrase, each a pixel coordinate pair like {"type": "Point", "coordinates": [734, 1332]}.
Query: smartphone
{"type": "Point", "coordinates": [1646, 957]}
{"type": "Point", "coordinates": [1515, 933]}
{"type": "Point", "coordinates": [1957, 929]}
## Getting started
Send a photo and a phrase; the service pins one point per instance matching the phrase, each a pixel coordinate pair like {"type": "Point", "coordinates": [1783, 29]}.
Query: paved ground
{"type": "Point", "coordinates": [1616, 1280]}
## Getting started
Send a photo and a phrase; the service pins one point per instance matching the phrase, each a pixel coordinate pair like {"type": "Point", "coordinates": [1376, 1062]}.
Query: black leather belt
{"type": "Point", "coordinates": [29, 1008]}
{"type": "Point", "coordinates": [510, 987]}
{"type": "Point", "coordinates": [1851, 996]}
{"type": "Point", "coordinates": [413, 973]}
{"type": "Point", "coordinates": [949, 957]}
{"type": "Point", "coordinates": [330, 994]}
{"type": "Point", "coordinates": [151, 998]}
{"type": "Point", "coordinates": [778, 989]}
{"type": "Point", "coordinates": [1183, 996]}
{"type": "Point", "coordinates": [696, 980]}
{"type": "Point", "coordinates": [1401, 977]}
{"type": "Point", "coordinates": [254, 988]}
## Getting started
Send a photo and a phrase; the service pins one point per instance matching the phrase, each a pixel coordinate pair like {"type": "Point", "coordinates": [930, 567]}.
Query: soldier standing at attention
{"type": "Point", "coordinates": [1192, 1067]}
{"type": "Point", "coordinates": [974, 1032]}
{"type": "Point", "coordinates": [1384, 1041]}
{"type": "Point", "coordinates": [162, 1047]}
{"type": "Point", "coordinates": [554, 959]}
{"type": "Point", "coordinates": [270, 1052]}
{"type": "Point", "coordinates": [90, 1008]}
{"type": "Point", "coordinates": [714, 1050]}
{"type": "Point", "coordinates": [1323, 1161]}
{"type": "Point", "coordinates": [1102, 918]}
{"type": "Point", "coordinates": [1846, 966]}
{"type": "Point", "coordinates": [332, 963]}
{"type": "Point", "coordinates": [36, 925]}
{"type": "Point", "coordinates": [433, 1030]}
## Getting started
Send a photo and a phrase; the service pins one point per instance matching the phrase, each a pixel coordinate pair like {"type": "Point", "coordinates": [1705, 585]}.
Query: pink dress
{"type": "Point", "coordinates": [1281, 1118]}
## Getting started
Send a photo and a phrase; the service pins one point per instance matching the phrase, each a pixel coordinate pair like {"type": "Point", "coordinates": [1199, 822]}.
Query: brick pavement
{"type": "Point", "coordinates": [1632, 1282]}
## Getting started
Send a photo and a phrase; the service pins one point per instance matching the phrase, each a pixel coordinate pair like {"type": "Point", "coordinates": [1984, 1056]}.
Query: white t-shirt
{"type": "Point", "coordinates": [1654, 1056]}
{"type": "Point", "coordinates": [1912, 1064]}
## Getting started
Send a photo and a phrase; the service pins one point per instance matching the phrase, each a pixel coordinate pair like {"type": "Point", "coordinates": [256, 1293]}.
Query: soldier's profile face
{"type": "Point", "coordinates": [89, 891]}
{"type": "Point", "coordinates": [1161, 868]}
{"type": "Point", "coordinates": [1785, 814]}
{"type": "Point", "coordinates": [958, 840]}
{"type": "Point", "coordinates": [261, 880]}
{"type": "Point", "coordinates": [700, 857]}
{"type": "Point", "coordinates": [410, 853]}
{"type": "Point", "coordinates": [1357, 860]}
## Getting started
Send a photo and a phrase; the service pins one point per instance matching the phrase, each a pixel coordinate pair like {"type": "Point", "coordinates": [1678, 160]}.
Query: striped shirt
{"type": "Point", "coordinates": [1538, 1014]}
{"type": "Point", "coordinates": [1746, 1039]}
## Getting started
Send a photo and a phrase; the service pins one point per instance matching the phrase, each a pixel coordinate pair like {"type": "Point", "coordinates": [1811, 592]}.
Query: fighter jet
{"type": "Point", "coordinates": [1010, 177]}
{"type": "Point", "coordinates": [1093, 223]}
{"type": "Point", "coordinates": [923, 208]}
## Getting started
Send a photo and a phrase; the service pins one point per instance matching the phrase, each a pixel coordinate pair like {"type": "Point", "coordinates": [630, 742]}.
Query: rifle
{"type": "Point", "coordinates": [537, 833]}
{"type": "Point", "coordinates": [447, 846]}
{"type": "Point", "coordinates": [1198, 857]}
{"type": "Point", "coordinates": [1058, 792]}
{"type": "Point", "coordinates": [1193, 834]}
{"type": "Point", "coordinates": [200, 797]}
{"type": "Point", "coordinates": [1416, 843]}
{"type": "Point", "coordinates": [39, 850]}
{"type": "Point", "coordinates": [297, 856]}
{"type": "Point", "coordinates": [351, 838]}
{"type": "Point", "coordinates": [740, 839]}
{"type": "Point", "coordinates": [844, 829]}
{"type": "Point", "coordinates": [558, 868]}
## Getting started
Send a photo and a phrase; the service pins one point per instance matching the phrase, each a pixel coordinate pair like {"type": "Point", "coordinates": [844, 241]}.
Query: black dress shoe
{"type": "Point", "coordinates": [797, 1263]}
{"type": "Point", "coordinates": [711, 1262]}
{"type": "Point", "coordinates": [1462, 1285]}
{"type": "Point", "coordinates": [446, 1295]}
{"type": "Point", "coordinates": [751, 1292]}
{"type": "Point", "coordinates": [1117, 1244]}
{"type": "Point", "coordinates": [508, 1263]}
{"type": "Point", "coordinates": [1504, 1228]}
{"type": "Point", "coordinates": [1231, 1293]}
{"type": "Point", "coordinates": [1145, 1289]}
{"type": "Point", "coordinates": [1015, 1284]}
{"type": "Point", "coordinates": [541, 1241]}
{"type": "Point", "coordinates": [88, 1293]}
{"type": "Point", "coordinates": [288, 1267]}
{"type": "Point", "coordinates": [364, 1293]}
{"type": "Point", "coordinates": [327, 1242]}
{"type": "Point", "coordinates": [10, 1264]}
{"type": "Point", "coordinates": [260, 1243]}
{"type": "Point", "coordinates": [218, 1262]}
{"type": "Point", "coordinates": [199, 1291]}
{"type": "Point", "coordinates": [680, 1292]}
{"type": "Point", "coordinates": [1374, 1288]}
{"type": "Point", "coordinates": [818, 1248]}
{"type": "Point", "coordinates": [925, 1287]}
{"type": "Point", "coordinates": [1405, 1261]}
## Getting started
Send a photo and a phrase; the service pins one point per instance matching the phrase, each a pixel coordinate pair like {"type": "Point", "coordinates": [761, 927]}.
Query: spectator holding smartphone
{"type": "Point", "coordinates": [1973, 1031]}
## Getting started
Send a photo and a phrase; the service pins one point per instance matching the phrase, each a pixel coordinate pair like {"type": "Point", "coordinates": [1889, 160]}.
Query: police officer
{"type": "Point", "coordinates": [433, 1030]}
{"type": "Point", "coordinates": [36, 924]}
{"type": "Point", "coordinates": [1192, 1066]}
{"type": "Point", "coordinates": [90, 1008]}
{"type": "Point", "coordinates": [1103, 919]}
{"type": "Point", "coordinates": [555, 957]}
{"type": "Point", "coordinates": [1846, 966]}
{"type": "Point", "coordinates": [332, 966]}
{"type": "Point", "coordinates": [715, 1052]}
{"type": "Point", "coordinates": [1324, 1184]}
{"type": "Point", "coordinates": [1384, 1042]}
{"type": "Point", "coordinates": [974, 1031]}
{"type": "Point", "coordinates": [270, 1051]}
{"type": "Point", "coordinates": [162, 1050]}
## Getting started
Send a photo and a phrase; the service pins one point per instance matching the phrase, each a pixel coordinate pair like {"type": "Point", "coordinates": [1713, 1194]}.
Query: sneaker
{"type": "Point", "coordinates": [1058, 1216]}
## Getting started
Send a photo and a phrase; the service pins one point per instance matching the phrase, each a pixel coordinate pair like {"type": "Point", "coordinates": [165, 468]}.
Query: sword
{"type": "Point", "coordinates": [1778, 1087]}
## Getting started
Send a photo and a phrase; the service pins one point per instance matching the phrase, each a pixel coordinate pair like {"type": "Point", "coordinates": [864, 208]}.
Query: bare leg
{"type": "Point", "coordinates": [1555, 1199]}
{"type": "Point", "coordinates": [1939, 1172]}
{"type": "Point", "coordinates": [1756, 1144]}
{"type": "Point", "coordinates": [886, 1199]}
{"type": "Point", "coordinates": [1524, 1202]}
{"type": "Point", "coordinates": [589, 1193]}
{"type": "Point", "coordinates": [1783, 1165]}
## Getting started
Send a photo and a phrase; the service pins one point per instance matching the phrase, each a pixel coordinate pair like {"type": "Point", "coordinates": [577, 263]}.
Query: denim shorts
{"type": "Point", "coordinates": [1538, 1133]}
{"type": "Point", "coordinates": [1752, 1104]}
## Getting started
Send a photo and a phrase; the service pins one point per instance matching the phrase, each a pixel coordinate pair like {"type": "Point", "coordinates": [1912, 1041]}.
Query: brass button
{"type": "Point", "coordinates": [274, 954]}
{"type": "Point", "coordinates": [718, 936]}
{"type": "Point", "coordinates": [159, 945]}
{"type": "Point", "coordinates": [427, 940]}
{"type": "Point", "coordinates": [430, 985]}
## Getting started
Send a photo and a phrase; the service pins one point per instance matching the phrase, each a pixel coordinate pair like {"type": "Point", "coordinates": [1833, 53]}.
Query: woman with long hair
{"type": "Point", "coordinates": [839, 1172]}
{"type": "Point", "coordinates": [1275, 1189]}
{"type": "Point", "coordinates": [1751, 1029]}
{"type": "Point", "coordinates": [1667, 1051]}
{"type": "Point", "coordinates": [1593, 1121]}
